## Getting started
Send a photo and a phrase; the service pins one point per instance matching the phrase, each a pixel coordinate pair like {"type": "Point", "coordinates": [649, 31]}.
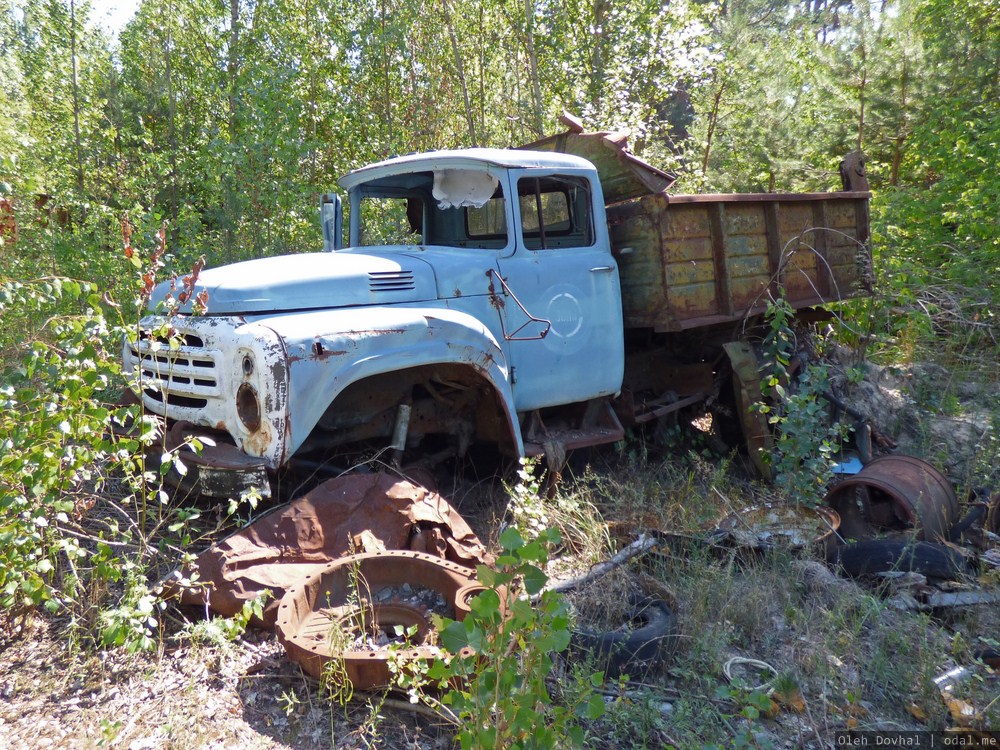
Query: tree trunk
{"type": "Point", "coordinates": [536, 88]}
{"type": "Point", "coordinates": [597, 62]}
{"type": "Point", "coordinates": [863, 48]}
{"type": "Point", "coordinates": [171, 120]}
{"type": "Point", "coordinates": [229, 178]}
{"type": "Point", "coordinates": [713, 121]}
{"type": "Point", "coordinates": [76, 97]}
{"type": "Point", "coordinates": [897, 152]}
{"type": "Point", "coordinates": [388, 149]}
{"type": "Point", "coordinates": [460, 67]}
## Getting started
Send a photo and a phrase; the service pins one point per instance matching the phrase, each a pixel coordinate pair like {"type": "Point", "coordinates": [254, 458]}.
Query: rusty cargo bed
{"type": "Point", "coordinates": [688, 261]}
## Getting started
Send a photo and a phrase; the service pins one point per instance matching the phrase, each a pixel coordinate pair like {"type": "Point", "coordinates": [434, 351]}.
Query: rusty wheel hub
{"type": "Point", "coordinates": [342, 611]}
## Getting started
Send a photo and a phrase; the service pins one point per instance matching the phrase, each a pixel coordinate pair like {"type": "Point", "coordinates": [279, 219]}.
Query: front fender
{"type": "Point", "coordinates": [329, 350]}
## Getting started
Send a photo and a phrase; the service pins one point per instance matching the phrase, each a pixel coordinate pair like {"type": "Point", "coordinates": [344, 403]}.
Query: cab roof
{"type": "Point", "coordinates": [466, 158]}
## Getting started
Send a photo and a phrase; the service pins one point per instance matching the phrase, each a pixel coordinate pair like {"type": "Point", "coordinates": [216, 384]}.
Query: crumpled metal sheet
{"type": "Point", "coordinates": [346, 515]}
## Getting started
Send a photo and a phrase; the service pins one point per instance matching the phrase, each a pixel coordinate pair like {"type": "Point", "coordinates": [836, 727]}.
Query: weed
{"type": "Point", "coordinates": [581, 527]}
{"type": "Point", "coordinates": [495, 663]}
{"type": "Point", "coordinates": [109, 732]}
{"type": "Point", "coordinates": [219, 631]}
{"type": "Point", "coordinates": [68, 543]}
{"type": "Point", "coordinates": [289, 702]}
{"type": "Point", "coordinates": [805, 439]}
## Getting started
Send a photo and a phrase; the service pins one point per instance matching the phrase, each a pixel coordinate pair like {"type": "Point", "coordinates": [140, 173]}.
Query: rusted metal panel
{"type": "Point", "coordinates": [683, 223]}
{"type": "Point", "coordinates": [782, 198]}
{"type": "Point", "coordinates": [746, 385]}
{"type": "Point", "coordinates": [623, 175]}
{"type": "Point", "coordinates": [571, 428]}
{"type": "Point", "coordinates": [358, 512]}
{"type": "Point", "coordinates": [688, 261]}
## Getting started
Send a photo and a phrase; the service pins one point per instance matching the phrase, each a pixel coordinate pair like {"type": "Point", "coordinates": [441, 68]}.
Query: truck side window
{"type": "Point", "coordinates": [488, 221]}
{"type": "Point", "coordinates": [555, 212]}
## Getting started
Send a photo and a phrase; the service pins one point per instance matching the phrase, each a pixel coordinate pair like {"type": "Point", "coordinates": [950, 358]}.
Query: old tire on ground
{"type": "Point", "coordinates": [639, 647]}
{"type": "Point", "coordinates": [875, 556]}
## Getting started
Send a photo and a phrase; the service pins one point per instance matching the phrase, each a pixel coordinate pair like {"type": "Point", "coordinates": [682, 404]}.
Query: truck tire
{"type": "Point", "coordinates": [874, 556]}
{"type": "Point", "coordinates": [641, 646]}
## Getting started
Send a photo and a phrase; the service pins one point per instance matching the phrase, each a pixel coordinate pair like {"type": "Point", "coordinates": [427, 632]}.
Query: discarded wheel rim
{"type": "Point", "coordinates": [895, 493]}
{"type": "Point", "coordinates": [338, 596]}
{"type": "Point", "coordinates": [778, 525]}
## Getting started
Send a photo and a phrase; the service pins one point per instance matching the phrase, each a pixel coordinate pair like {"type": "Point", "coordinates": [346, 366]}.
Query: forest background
{"type": "Point", "coordinates": [228, 120]}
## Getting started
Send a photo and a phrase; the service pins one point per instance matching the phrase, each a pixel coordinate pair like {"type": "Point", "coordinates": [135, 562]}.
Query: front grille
{"type": "Point", "coordinates": [180, 372]}
{"type": "Point", "coordinates": [390, 281]}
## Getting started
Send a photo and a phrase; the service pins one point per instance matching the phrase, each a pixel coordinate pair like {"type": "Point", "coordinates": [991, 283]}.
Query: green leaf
{"type": "Point", "coordinates": [534, 551]}
{"type": "Point", "coordinates": [534, 579]}
{"type": "Point", "coordinates": [455, 637]}
{"type": "Point", "coordinates": [486, 605]}
{"type": "Point", "coordinates": [511, 539]}
{"type": "Point", "coordinates": [556, 642]}
{"type": "Point", "coordinates": [486, 576]}
{"type": "Point", "coordinates": [595, 707]}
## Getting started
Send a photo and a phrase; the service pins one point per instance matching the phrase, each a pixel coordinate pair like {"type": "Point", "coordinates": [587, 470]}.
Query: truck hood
{"type": "Point", "coordinates": [311, 281]}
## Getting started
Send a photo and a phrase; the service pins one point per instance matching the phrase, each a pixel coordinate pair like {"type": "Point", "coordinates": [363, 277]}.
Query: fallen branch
{"type": "Point", "coordinates": [643, 544]}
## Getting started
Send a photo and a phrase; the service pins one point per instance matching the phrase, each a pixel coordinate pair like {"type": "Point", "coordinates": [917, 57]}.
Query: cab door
{"type": "Point", "coordinates": [562, 308]}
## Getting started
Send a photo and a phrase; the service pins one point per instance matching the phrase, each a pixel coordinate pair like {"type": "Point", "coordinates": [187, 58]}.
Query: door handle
{"type": "Point", "coordinates": [602, 268]}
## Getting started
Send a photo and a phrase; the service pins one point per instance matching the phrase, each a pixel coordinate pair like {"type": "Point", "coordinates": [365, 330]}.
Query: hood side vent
{"type": "Point", "coordinates": [390, 281]}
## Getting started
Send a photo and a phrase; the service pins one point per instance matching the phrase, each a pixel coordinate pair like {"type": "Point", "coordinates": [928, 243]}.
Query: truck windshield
{"type": "Point", "coordinates": [425, 208]}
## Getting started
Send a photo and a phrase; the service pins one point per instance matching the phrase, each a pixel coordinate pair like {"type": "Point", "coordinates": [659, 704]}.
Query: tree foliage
{"type": "Point", "coordinates": [229, 119]}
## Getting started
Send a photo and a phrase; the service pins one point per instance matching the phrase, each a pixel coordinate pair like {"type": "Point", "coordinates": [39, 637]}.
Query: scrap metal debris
{"type": "Point", "coordinates": [895, 493]}
{"type": "Point", "coordinates": [349, 612]}
{"type": "Point", "coordinates": [349, 514]}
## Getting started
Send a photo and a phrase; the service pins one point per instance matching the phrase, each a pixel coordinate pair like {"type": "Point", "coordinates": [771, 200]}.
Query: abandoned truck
{"type": "Point", "coordinates": [525, 300]}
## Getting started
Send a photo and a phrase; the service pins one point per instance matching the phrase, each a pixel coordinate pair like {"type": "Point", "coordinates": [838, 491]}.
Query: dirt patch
{"type": "Point", "coordinates": [931, 412]}
{"type": "Point", "coordinates": [243, 694]}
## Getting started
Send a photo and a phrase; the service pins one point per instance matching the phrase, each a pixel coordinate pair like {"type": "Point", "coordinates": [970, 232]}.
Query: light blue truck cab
{"type": "Point", "coordinates": [476, 301]}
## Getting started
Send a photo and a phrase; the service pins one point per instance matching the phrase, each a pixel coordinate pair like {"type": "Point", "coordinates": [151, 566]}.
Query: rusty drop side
{"type": "Point", "coordinates": [688, 261]}
{"type": "Point", "coordinates": [623, 175]}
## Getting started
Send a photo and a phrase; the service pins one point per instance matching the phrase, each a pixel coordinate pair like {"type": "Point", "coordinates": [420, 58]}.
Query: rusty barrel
{"type": "Point", "coordinates": [895, 494]}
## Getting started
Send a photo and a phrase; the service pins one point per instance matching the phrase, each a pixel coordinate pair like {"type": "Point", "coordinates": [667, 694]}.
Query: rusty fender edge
{"type": "Point", "coordinates": [327, 351]}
